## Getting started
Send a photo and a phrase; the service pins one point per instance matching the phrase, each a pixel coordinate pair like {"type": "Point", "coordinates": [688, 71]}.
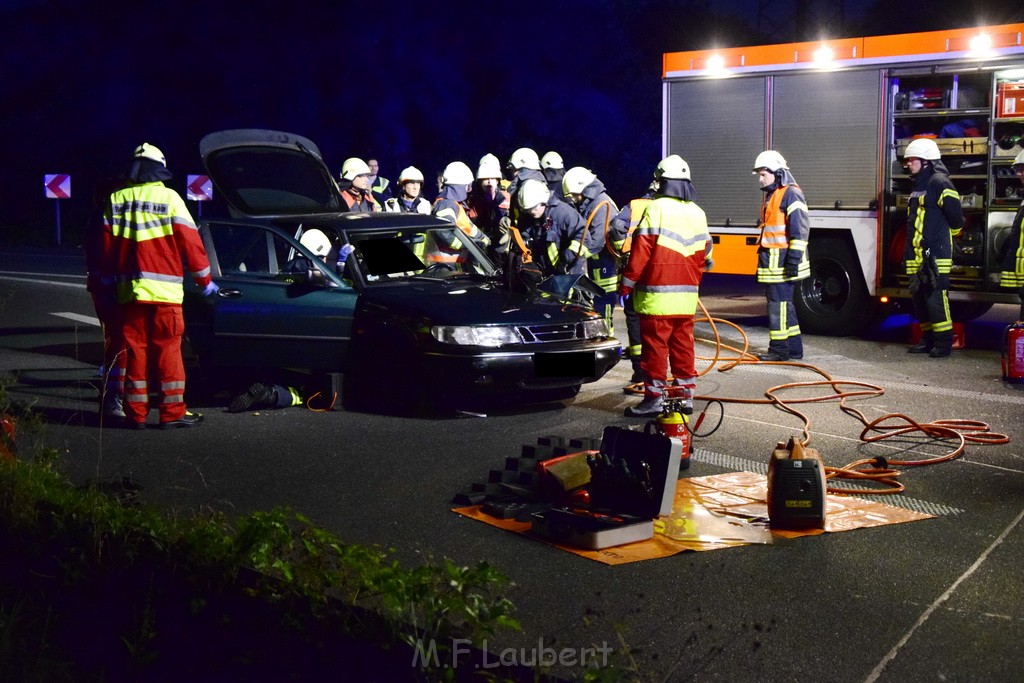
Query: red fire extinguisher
{"type": "Point", "coordinates": [672, 422]}
{"type": "Point", "coordinates": [1013, 353]}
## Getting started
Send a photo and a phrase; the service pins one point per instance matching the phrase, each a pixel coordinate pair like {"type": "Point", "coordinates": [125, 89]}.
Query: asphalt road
{"type": "Point", "coordinates": [938, 599]}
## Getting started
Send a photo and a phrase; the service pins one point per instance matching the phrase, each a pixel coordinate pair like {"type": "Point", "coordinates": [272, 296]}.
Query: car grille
{"type": "Point", "coordinates": [539, 334]}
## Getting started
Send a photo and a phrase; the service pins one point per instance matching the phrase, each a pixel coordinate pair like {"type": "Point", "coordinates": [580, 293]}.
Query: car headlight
{"type": "Point", "coordinates": [470, 335]}
{"type": "Point", "coordinates": [595, 328]}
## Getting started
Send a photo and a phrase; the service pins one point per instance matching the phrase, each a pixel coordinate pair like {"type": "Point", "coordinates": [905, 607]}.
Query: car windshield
{"type": "Point", "coordinates": [434, 252]}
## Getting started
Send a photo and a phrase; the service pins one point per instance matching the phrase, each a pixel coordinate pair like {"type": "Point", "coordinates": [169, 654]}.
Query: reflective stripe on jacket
{"type": "Point", "coordinates": [785, 228]}
{"type": "Point", "coordinates": [147, 232]}
{"type": "Point", "coordinates": [934, 216]}
{"type": "Point", "coordinates": [1012, 274]}
{"type": "Point", "coordinates": [667, 259]}
{"type": "Point", "coordinates": [453, 212]}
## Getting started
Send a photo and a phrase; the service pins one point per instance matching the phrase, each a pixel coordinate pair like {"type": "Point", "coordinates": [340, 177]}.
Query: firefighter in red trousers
{"type": "Point", "coordinates": [671, 250]}
{"type": "Point", "coordinates": [147, 231]}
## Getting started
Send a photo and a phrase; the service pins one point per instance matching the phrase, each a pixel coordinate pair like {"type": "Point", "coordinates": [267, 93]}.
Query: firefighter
{"type": "Point", "coordinates": [1012, 274]}
{"type": "Point", "coordinates": [782, 254]}
{"type": "Point", "coordinates": [620, 237]}
{"type": "Point", "coordinates": [588, 194]}
{"type": "Point", "coordinates": [102, 287]}
{"type": "Point", "coordinates": [553, 168]}
{"type": "Point", "coordinates": [355, 186]}
{"type": "Point", "coordinates": [410, 198]}
{"type": "Point", "coordinates": [671, 250]}
{"type": "Point", "coordinates": [488, 203]}
{"type": "Point", "coordinates": [934, 217]}
{"type": "Point", "coordinates": [147, 233]}
{"type": "Point", "coordinates": [380, 186]}
{"type": "Point", "coordinates": [522, 165]}
{"type": "Point", "coordinates": [451, 206]}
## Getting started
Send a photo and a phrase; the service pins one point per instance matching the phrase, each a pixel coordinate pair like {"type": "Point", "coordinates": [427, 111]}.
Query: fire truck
{"type": "Point", "coordinates": [841, 112]}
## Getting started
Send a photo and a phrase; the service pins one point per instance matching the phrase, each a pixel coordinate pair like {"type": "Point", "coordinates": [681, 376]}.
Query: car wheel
{"type": "Point", "coordinates": [834, 300]}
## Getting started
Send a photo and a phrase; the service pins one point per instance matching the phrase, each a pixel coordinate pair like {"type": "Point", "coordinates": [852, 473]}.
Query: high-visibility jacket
{"type": "Point", "coordinates": [934, 217]}
{"type": "Point", "coordinates": [620, 234]}
{"type": "Point", "coordinates": [401, 205]}
{"type": "Point", "coordinates": [448, 242]}
{"type": "Point", "coordinates": [666, 262]}
{"type": "Point", "coordinates": [147, 232]}
{"type": "Point", "coordinates": [380, 190]}
{"type": "Point", "coordinates": [359, 202]}
{"type": "Point", "coordinates": [785, 228]}
{"type": "Point", "coordinates": [1012, 274]}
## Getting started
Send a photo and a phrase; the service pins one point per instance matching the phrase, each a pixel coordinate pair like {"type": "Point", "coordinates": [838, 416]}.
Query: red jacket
{"type": "Point", "coordinates": [147, 232]}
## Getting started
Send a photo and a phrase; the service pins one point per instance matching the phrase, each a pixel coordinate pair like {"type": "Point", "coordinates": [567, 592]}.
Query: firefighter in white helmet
{"type": "Point", "coordinates": [522, 165]}
{"type": "Point", "coordinates": [587, 193]}
{"type": "Point", "coordinates": [782, 253]}
{"type": "Point", "coordinates": [354, 184]}
{"type": "Point", "coordinates": [147, 235]}
{"type": "Point", "coordinates": [410, 198]}
{"type": "Point", "coordinates": [488, 203]}
{"type": "Point", "coordinates": [450, 205]}
{"type": "Point", "coordinates": [553, 231]}
{"type": "Point", "coordinates": [670, 251]}
{"type": "Point", "coordinates": [1012, 275]}
{"type": "Point", "coordinates": [934, 217]}
{"type": "Point", "coordinates": [620, 238]}
{"type": "Point", "coordinates": [553, 168]}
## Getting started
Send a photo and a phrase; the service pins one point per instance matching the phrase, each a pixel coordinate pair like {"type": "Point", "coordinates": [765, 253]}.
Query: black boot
{"type": "Point", "coordinates": [943, 345]}
{"type": "Point", "coordinates": [926, 344]}
{"type": "Point", "coordinates": [775, 355]}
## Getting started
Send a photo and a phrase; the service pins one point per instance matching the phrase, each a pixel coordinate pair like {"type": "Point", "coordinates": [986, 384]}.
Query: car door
{"type": "Point", "coordinates": [267, 312]}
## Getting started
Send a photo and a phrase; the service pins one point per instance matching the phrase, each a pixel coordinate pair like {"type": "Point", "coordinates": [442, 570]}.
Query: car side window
{"type": "Point", "coordinates": [252, 251]}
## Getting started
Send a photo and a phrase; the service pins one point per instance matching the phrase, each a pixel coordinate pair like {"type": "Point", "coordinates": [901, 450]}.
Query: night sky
{"type": "Point", "coordinates": [410, 83]}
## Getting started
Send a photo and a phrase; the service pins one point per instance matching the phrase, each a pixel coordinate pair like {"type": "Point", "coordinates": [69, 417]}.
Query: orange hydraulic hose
{"type": "Point", "coordinates": [877, 470]}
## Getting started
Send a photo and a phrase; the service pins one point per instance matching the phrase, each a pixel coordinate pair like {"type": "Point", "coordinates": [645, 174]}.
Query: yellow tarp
{"type": "Point", "coordinates": [720, 511]}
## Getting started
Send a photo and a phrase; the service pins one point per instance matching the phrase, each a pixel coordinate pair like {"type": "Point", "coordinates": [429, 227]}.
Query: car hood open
{"type": "Point", "coordinates": [269, 174]}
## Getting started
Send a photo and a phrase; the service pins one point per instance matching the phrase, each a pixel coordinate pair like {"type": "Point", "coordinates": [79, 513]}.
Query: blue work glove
{"type": "Point", "coordinates": [343, 254]}
{"type": "Point", "coordinates": [211, 289]}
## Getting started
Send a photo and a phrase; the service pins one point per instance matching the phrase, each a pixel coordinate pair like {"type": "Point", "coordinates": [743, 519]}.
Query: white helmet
{"type": "Point", "coordinates": [489, 167]}
{"type": "Point", "coordinates": [771, 160]}
{"type": "Point", "coordinates": [552, 160]}
{"type": "Point", "coordinates": [316, 241]}
{"type": "Point", "coordinates": [922, 148]}
{"type": "Point", "coordinates": [148, 151]}
{"type": "Point", "coordinates": [672, 167]}
{"type": "Point", "coordinates": [1019, 161]}
{"type": "Point", "coordinates": [524, 157]}
{"type": "Point", "coordinates": [410, 174]}
{"type": "Point", "coordinates": [353, 167]}
{"type": "Point", "coordinates": [576, 179]}
{"type": "Point", "coordinates": [533, 193]}
{"type": "Point", "coordinates": [457, 173]}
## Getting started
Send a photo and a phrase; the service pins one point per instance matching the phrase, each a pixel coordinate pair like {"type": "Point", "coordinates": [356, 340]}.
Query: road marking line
{"type": "Point", "coordinates": [43, 282]}
{"type": "Point", "coordinates": [79, 318]}
{"type": "Point", "coordinates": [877, 672]}
{"type": "Point", "coordinates": [37, 275]}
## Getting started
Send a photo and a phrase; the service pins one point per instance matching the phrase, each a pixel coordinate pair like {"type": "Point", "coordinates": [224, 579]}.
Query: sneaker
{"type": "Point", "coordinates": [773, 356]}
{"type": "Point", "coordinates": [113, 406]}
{"type": "Point", "coordinates": [259, 395]}
{"type": "Point", "coordinates": [649, 406]}
{"type": "Point", "coordinates": [186, 420]}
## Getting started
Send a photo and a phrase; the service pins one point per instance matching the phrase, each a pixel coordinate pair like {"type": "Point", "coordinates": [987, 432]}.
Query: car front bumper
{"type": "Point", "coordinates": [498, 372]}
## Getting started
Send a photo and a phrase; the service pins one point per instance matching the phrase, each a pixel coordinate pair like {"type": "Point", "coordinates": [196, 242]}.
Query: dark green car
{"type": "Point", "coordinates": [417, 310]}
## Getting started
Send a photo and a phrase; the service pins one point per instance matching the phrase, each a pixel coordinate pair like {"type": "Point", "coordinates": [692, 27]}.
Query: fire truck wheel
{"type": "Point", "coordinates": [834, 300]}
